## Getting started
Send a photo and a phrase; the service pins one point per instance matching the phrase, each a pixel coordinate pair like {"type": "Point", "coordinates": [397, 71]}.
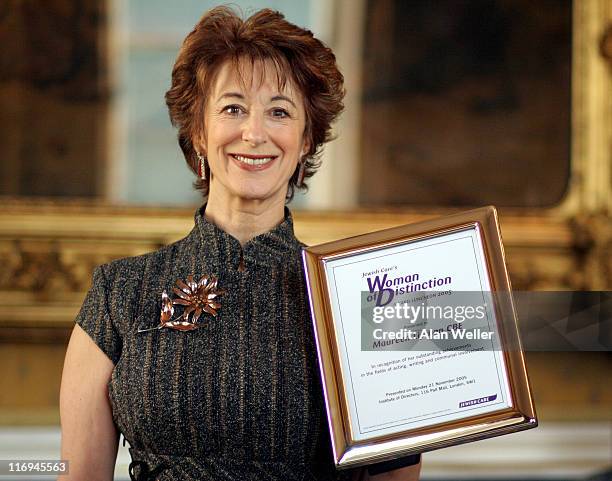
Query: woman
{"type": "Point", "coordinates": [221, 382]}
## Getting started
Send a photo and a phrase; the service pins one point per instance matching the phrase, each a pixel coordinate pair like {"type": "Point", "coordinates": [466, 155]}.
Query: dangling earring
{"type": "Point", "coordinates": [201, 166]}
{"type": "Point", "coordinates": [300, 179]}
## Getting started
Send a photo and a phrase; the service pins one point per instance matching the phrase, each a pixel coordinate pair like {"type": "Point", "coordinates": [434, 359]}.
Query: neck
{"type": "Point", "coordinates": [244, 219]}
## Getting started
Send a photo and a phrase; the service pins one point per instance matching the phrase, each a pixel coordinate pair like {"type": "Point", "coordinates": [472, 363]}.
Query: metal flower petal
{"type": "Point", "coordinates": [181, 325]}
{"type": "Point", "coordinates": [184, 287]}
{"type": "Point", "coordinates": [167, 309]}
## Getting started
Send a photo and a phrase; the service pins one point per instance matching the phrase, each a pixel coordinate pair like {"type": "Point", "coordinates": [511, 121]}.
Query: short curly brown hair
{"type": "Point", "coordinates": [222, 35]}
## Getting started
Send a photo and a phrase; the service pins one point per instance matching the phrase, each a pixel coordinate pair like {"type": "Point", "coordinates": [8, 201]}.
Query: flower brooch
{"type": "Point", "coordinates": [197, 297]}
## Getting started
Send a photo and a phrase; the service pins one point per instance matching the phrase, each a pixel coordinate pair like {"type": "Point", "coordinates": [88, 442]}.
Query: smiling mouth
{"type": "Point", "coordinates": [255, 160]}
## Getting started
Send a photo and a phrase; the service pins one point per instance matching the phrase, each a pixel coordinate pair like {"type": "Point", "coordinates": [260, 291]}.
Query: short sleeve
{"type": "Point", "coordinates": [95, 318]}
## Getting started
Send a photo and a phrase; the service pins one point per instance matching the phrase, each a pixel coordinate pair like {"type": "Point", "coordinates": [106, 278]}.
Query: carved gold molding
{"type": "Point", "coordinates": [49, 249]}
{"type": "Point", "coordinates": [590, 190]}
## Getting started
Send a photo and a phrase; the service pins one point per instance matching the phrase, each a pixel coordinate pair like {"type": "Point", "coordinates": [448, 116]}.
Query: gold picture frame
{"type": "Point", "coordinates": [351, 447]}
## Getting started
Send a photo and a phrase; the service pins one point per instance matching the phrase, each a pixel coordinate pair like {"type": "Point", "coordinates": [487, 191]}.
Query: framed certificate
{"type": "Point", "coordinates": [417, 338]}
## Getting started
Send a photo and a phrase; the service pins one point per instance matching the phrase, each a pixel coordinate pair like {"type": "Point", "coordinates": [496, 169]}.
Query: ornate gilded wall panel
{"type": "Point", "coordinates": [48, 252]}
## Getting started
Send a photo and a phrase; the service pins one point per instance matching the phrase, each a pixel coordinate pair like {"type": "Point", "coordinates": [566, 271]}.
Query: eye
{"type": "Point", "coordinates": [233, 109]}
{"type": "Point", "coordinates": [279, 113]}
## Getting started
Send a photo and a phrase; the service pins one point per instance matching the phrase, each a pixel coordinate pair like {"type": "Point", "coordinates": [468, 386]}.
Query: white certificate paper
{"type": "Point", "coordinates": [393, 391]}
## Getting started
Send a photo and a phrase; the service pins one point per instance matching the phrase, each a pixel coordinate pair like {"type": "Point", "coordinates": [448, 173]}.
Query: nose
{"type": "Point", "coordinates": [253, 130]}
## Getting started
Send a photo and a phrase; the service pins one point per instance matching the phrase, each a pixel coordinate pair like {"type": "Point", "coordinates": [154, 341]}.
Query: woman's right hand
{"type": "Point", "coordinates": [90, 438]}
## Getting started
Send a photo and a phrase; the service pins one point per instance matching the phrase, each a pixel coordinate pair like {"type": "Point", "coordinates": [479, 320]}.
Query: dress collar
{"type": "Point", "coordinates": [223, 251]}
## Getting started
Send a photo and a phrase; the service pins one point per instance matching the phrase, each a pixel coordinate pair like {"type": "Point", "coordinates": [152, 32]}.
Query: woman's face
{"type": "Point", "coordinates": [254, 133]}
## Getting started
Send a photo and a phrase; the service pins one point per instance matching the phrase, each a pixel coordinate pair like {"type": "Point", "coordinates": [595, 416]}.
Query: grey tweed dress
{"type": "Point", "coordinates": [240, 397]}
